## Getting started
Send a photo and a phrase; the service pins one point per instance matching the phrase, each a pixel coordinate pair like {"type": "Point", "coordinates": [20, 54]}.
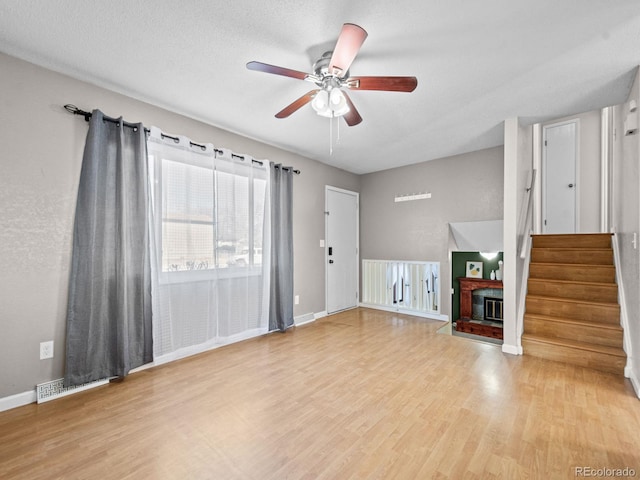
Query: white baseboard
{"type": "Point", "coordinates": [308, 318]}
{"type": "Point", "coordinates": [304, 319]}
{"type": "Point", "coordinates": [512, 349]}
{"type": "Point", "coordinates": [204, 347]}
{"type": "Point", "coordinates": [631, 375]}
{"type": "Point", "coordinates": [406, 311]}
{"type": "Point", "coordinates": [17, 400]}
{"type": "Point", "coordinates": [622, 301]}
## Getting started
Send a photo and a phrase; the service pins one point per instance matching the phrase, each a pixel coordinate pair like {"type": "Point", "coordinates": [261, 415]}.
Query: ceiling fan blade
{"type": "Point", "coordinates": [352, 117]}
{"type": "Point", "coordinates": [349, 42]}
{"type": "Point", "coordinates": [388, 84]}
{"type": "Point", "coordinates": [285, 72]}
{"type": "Point", "coordinates": [301, 102]}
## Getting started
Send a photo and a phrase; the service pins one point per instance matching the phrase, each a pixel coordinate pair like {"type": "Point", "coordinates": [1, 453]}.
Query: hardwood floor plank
{"type": "Point", "coordinates": [360, 394]}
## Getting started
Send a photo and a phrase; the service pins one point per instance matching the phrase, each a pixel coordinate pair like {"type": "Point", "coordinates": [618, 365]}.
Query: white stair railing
{"type": "Point", "coordinates": [404, 286]}
{"type": "Point", "coordinates": [526, 220]}
{"type": "Point", "coordinates": [524, 239]}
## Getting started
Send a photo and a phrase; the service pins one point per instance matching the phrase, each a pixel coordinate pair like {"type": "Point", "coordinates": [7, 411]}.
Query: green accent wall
{"type": "Point", "coordinates": [459, 269]}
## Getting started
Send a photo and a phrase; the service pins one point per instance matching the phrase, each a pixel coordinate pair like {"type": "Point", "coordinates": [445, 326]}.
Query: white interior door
{"type": "Point", "coordinates": [341, 249]}
{"type": "Point", "coordinates": [560, 153]}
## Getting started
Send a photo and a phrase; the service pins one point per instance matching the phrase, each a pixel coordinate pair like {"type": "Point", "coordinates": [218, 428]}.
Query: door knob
{"type": "Point", "coordinates": [571, 185]}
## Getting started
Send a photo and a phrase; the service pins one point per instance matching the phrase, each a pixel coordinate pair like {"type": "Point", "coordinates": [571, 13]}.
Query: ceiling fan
{"type": "Point", "coordinates": [331, 76]}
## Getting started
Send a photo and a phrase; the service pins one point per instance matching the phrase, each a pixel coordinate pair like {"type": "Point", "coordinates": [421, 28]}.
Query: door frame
{"type": "Point", "coordinates": [327, 189]}
{"type": "Point", "coordinates": [543, 170]}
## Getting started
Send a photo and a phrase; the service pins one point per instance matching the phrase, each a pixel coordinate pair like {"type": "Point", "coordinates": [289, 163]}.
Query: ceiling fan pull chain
{"type": "Point", "coordinates": [331, 134]}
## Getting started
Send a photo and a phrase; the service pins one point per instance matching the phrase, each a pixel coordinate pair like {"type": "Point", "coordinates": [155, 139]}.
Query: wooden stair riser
{"type": "Point", "coordinates": [592, 334]}
{"type": "Point", "coordinates": [598, 313]}
{"type": "Point", "coordinates": [574, 356]}
{"type": "Point", "coordinates": [579, 273]}
{"type": "Point", "coordinates": [572, 255]}
{"type": "Point", "coordinates": [572, 312]}
{"type": "Point", "coordinates": [600, 240]}
{"type": "Point", "coordinates": [606, 293]}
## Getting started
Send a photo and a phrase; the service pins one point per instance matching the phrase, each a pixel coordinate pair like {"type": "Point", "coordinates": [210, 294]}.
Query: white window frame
{"type": "Point", "coordinates": [196, 275]}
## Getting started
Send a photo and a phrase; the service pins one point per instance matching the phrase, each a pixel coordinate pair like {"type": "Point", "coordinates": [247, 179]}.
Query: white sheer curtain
{"type": "Point", "coordinates": [211, 223]}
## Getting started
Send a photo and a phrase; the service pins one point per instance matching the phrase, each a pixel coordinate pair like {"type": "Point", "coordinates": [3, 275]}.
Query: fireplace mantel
{"type": "Point", "coordinates": [468, 285]}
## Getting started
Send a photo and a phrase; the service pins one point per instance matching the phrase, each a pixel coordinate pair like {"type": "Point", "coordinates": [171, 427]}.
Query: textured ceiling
{"type": "Point", "coordinates": [477, 63]}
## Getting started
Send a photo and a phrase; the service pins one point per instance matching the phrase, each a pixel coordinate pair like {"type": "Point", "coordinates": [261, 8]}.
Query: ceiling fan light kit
{"type": "Point", "coordinates": [331, 76]}
{"type": "Point", "coordinates": [330, 103]}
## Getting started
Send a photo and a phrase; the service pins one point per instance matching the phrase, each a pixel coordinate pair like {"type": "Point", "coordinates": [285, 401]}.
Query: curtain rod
{"type": "Point", "coordinates": [87, 115]}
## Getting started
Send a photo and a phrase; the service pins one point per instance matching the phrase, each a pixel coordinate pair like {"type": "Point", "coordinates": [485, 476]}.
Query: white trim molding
{"type": "Point", "coordinates": [406, 311]}
{"type": "Point", "coordinates": [512, 349]}
{"type": "Point", "coordinates": [304, 319]}
{"type": "Point", "coordinates": [308, 318]}
{"type": "Point", "coordinates": [606, 153]}
{"type": "Point", "coordinates": [17, 400]}
{"type": "Point", "coordinates": [631, 375]}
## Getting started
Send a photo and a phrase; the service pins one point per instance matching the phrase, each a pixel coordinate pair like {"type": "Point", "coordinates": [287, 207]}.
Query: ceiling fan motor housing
{"type": "Point", "coordinates": [321, 67]}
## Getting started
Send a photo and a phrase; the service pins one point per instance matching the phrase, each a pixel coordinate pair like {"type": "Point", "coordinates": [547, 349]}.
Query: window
{"type": "Point", "coordinates": [209, 211]}
{"type": "Point", "coordinates": [188, 220]}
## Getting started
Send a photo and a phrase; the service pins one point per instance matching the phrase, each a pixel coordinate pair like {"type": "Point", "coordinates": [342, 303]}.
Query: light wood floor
{"type": "Point", "coordinates": [361, 394]}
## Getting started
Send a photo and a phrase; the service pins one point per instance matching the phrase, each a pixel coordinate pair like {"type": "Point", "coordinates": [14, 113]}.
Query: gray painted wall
{"type": "Point", "coordinates": [626, 223]}
{"type": "Point", "coordinates": [463, 188]}
{"type": "Point", "coordinates": [41, 147]}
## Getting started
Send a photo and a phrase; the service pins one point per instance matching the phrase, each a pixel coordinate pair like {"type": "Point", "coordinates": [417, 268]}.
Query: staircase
{"type": "Point", "coordinates": [572, 313]}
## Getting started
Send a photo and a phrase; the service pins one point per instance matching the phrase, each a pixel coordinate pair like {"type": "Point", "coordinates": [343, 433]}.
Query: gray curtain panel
{"type": "Point", "coordinates": [281, 290]}
{"type": "Point", "coordinates": [109, 309]}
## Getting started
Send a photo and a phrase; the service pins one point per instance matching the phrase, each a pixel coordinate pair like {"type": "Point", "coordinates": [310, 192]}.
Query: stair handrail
{"type": "Point", "coordinates": [526, 231]}
{"type": "Point", "coordinates": [524, 247]}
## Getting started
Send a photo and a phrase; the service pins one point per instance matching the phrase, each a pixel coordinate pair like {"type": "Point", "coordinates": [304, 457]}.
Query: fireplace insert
{"type": "Point", "coordinates": [493, 309]}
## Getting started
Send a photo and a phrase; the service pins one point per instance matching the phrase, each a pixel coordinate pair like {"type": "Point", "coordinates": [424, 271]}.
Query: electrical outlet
{"type": "Point", "coordinates": [296, 300]}
{"type": "Point", "coordinates": [46, 350]}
